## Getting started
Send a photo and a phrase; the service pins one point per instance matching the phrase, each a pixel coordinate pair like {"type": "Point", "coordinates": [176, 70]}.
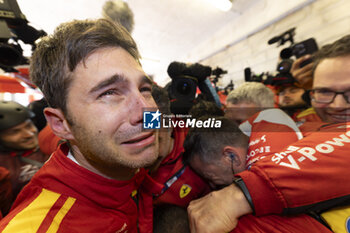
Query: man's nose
{"type": "Point", "coordinates": [138, 105]}
{"type": "Point", "coordinates": [28, 133]}
{"type": "Point", "coordinates": [339, 102]}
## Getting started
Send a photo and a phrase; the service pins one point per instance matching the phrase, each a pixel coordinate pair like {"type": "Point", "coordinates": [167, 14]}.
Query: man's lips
{"type": "Point", "coordinates": [339, 116]}
{"type": "Point", "coordinates": [141, 140]}
{"type": "Point", "coordinates": [287, 100]}
{"type": "Point", "coordinates": [29, 140]}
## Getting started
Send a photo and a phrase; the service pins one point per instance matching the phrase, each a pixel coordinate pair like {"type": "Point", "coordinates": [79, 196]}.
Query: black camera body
{"type": "Point", "coordinates": [182, 89]}
{"type": "Point", "coordinates": [308, 46]}
{"type": "Point", "coordinates": [298, 50]}
{"type": "Point", "coordinates": [14, 25]}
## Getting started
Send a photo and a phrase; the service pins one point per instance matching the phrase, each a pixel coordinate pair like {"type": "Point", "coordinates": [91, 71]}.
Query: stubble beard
{"type": "Point", "coordinates": [104, 154]}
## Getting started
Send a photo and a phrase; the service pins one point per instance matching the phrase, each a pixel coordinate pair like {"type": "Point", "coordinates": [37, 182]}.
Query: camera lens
{"type": "Point", "coordinates": [299, 50]}
{"type": "Point", "coordinates": [284, 66]}
{"type": "Point", "coordinates": [286, 53]}
{"type": "Point", "coordinates": [9, 55]}
{"type": "Point", "coordinates": [183, 88]}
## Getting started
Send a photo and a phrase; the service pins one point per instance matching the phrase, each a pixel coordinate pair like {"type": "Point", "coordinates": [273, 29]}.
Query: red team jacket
{"type": "Point", "coordinates": [22, 167]}
{"type": "Point", "coordinates": [304, 176]}
{"type": "Point", "coordinates": [308, 115]}
{"type": "Point", "coordinates": [172, 183]}
{"type": "Point", "coordinates": [175, 183]}
{"type": "Point", "coordinates": [5, 191]}
{"type": "Point", "coordinates": [269, 131]}
{"type": "Point", "coordinates": [65, 197]}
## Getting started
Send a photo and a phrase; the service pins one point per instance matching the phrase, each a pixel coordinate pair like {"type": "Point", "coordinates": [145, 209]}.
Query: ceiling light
{"type": "Point", "coordinates": [223, 5]}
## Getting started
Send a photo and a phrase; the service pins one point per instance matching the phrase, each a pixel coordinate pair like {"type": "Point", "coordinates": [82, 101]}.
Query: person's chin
{"type": "Point", "coordinates": [30, 146]}
{"type": "Point", "coordinates": [143, 157]}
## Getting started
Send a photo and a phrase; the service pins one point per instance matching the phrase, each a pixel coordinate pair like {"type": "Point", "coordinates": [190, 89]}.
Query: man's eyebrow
{"type": "Point", "coordinates": [147, 80]}
{"type": "Point", "coordinates": [105, 83]}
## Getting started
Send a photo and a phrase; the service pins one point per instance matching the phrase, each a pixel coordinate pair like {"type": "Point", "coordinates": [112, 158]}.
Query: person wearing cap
{"type": "Point", "coordinates": [19, 150]}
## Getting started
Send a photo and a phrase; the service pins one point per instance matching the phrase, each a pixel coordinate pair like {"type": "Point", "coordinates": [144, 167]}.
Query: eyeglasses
{"type": "Point", "coordinates": [326, 96]}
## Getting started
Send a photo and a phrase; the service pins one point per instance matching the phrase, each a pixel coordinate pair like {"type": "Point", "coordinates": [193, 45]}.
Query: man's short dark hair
{"type": "Point", "coordinates": [203, 107]}
{"type": "Point", "coordinates": [208, 142]}
{"type": "Point", "coordinates": [170, 219]}
{"type": "Point", "coordinates": [56, 57]}
{"type": "Point", "coordinates": [338, 48]}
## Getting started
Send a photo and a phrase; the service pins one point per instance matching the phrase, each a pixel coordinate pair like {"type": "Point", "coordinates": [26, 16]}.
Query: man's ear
{"type": "Point", "coordinates": [232, 155]}
{"type": "Point", "coordinates": [58, 123]}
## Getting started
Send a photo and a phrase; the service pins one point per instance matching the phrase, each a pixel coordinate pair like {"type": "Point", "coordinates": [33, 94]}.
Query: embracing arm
{"type": "Point", "coordinates": [218, 211]}
{"type": "Point", "coordinates": [305, 176]}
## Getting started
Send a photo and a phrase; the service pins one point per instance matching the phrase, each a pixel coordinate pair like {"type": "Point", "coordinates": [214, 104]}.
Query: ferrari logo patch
{"type": "Point", "coordinates": [185, 190]}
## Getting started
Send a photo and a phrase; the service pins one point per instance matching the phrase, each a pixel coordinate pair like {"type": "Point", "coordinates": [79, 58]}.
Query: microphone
{"type": "Point", "coordinates": [247, 74]}
{"type": "Point", "coordinates": [274, 40]}
{"type": "Point", "coordinates": [176, 69]}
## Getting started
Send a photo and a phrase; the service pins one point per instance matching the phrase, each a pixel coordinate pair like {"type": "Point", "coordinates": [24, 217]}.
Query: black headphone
{"type": "Point", "coordinates": [232, 155]}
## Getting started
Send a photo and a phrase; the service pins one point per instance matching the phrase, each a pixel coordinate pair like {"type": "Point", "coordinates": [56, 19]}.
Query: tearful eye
{"type": "Point", "coordinates": [109, 92]}
{"type": "Point", "coordinates": [146, 92]}
{"type": "Point", "coordinates": [145, 89]}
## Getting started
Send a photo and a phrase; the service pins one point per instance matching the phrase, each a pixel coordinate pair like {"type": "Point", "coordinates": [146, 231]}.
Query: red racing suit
{"type": "Point", "coordinates": [279, 224]}
{"type": "Point", "coordinates": [65, 197]}
{"type": "Point", "coordinates": [264, 130]}
{"type": "Point", "coordinates": [174, 182]}
{"type": "Point", "coordinates": [5, 191]}
{"type": "Point", "coordinates": [308, 115]}
{"type": "Point", "coordinates": [22, 166]}
{"type": "Point", "coordinates": [305, 176]}
{"type": "Point", "coordinates": [269, 131]}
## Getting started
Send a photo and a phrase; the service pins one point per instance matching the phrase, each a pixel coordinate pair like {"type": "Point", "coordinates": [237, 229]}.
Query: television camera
{"type": "Point", "coordinates": [298, 50]}
{"type": "Point", "coordinates": [14, 27]}
{"type": "Point", "coordinates": [185, 78]}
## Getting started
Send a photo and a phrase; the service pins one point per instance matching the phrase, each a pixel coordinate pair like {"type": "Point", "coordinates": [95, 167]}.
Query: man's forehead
{"type": "Point", "coordinates": [109, 65]}
{"type": "Point", "coordinates": [333, 73]}
{"type": "Point", "coordinates": [290, 87]}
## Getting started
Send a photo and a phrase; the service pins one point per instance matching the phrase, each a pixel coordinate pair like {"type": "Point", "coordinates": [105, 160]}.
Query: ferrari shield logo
{"type": "Point", "coordinates": [185, 190]}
